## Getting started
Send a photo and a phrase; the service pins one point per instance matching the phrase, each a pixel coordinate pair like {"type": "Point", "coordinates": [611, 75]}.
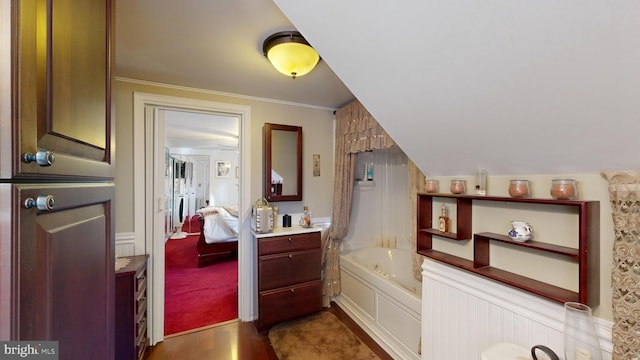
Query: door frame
{"type": "Point", "coordinates": [144, 204]}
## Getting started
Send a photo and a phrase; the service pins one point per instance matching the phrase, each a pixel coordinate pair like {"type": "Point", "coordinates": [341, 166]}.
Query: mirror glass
{"type": "Point", "coordinates": [282, 162]}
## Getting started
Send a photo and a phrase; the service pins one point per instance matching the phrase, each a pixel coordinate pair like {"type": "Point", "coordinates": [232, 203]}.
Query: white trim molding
{"type": "Point", "coordinates": [219, 93]}
{"type": "Point", "coordinates": [144, 242]}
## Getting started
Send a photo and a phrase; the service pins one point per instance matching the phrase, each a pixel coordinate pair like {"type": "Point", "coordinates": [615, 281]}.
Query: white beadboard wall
{"type": "Point", "coordinates": [463, 314]}
{"type": "Point", "coordinates": [125, 244]}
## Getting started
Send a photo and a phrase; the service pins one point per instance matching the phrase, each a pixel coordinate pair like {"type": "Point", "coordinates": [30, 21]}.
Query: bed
{"type": "Point", "coordinates": [218, 234]}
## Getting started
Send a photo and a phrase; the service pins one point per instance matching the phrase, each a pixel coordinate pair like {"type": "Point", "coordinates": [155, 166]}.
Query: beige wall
{"type": "Point", "coordinates": [317, 127]}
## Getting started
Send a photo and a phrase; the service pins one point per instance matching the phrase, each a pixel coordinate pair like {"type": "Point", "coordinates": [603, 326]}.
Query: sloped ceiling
{"type": "Point", "coordinates": [515, 87]}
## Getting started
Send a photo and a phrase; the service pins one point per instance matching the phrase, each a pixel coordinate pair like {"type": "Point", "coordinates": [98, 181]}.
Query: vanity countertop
{"type": "Point", "coordinates": [280, 231]}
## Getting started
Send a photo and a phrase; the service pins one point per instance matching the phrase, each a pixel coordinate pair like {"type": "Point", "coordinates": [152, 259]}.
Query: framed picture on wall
{"type": "Point", "coordinates": [222, 168]}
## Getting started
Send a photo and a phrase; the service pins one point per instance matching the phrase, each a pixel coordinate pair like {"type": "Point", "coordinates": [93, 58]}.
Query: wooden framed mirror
{"type": "Point", "coordinates": [282, 162]}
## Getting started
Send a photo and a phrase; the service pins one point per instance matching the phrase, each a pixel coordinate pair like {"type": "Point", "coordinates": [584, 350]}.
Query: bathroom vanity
{"type": "Point", "coordinates": [289, 274]}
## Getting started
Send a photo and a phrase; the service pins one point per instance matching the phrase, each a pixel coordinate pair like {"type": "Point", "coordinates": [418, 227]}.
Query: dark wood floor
{"type": "Point", "coordinates": [238, 340]}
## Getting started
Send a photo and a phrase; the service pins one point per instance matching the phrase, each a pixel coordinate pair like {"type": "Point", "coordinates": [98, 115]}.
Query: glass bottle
{"type": "Point", "coordinates": [305, 220]}
{"type": "Point", "coordinates": [443, 220]}
{"type": "Point", "coordinates": [580, 339]}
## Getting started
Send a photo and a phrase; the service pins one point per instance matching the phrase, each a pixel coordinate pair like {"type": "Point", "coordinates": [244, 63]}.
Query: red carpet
{"type": "Point", "coordinates": [197, 297]}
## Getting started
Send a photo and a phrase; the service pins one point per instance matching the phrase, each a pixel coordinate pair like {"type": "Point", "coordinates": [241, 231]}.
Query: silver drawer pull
{"type": "Point", "coordinates": [290, 256]}
{"type": "Point", "coordinates": [42, 157]}
{"type": "Point", "coordinates": [42, 202]}
{"type": "Point", "coordinates": [292, 290]}
{"type": "Point", "coordinates": [290, 239]}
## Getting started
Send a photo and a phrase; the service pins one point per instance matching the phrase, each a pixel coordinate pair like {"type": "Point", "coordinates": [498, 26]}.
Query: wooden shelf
{"type": "Point", "coordinates": [588, 238]}
{"type": "Point", "coordinates": [531, 244]}
{"type": "Point", "coordinates": [540, 288]}
{"type": "Point", "coordinates": [448, 235]}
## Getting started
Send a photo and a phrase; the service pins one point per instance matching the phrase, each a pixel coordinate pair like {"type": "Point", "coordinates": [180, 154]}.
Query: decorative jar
{"type": "Point", "coordinates": [519, 188]}
{"type": "Point", "coordinates": [431, 186]}
{"type": "Point", "coordinates": [458, 186]}
{"type": "Point", "coordinates": [563, 189]}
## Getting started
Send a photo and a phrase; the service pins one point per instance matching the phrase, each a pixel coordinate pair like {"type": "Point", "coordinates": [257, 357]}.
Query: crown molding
{"type": "Point", "coordinates": [220, 93]}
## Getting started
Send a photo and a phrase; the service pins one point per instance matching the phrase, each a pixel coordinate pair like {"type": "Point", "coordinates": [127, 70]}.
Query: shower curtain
{"type": "Point", "coordinates": [356, 131]}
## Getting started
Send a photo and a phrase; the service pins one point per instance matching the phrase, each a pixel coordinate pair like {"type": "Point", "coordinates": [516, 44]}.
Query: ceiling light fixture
{"type": "Point", "coordinates": [290, 53]}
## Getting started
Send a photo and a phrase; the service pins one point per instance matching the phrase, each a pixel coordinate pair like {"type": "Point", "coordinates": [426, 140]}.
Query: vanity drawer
{"type": "Point", "coordinates": [286, 243]}
{"type": "Point", "coordinates": [290, 268]}
{"type": "Point", "coordinates": [289, 303]}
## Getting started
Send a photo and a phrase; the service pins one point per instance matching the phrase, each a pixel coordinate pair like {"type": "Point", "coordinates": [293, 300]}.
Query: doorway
{"type": "Point", "coordinates": [199, 293]}
{"type": "Point", "coordinates": [149, 205]}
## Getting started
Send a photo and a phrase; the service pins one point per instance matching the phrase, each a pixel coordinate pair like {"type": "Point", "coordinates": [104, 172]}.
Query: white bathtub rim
{"type": "Point", "coordinates": [405, 298]}
{"type": "Point", "coordinates": [409, 272]}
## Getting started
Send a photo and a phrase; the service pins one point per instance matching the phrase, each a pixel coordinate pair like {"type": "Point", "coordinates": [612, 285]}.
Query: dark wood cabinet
{"type": "Point", "coordinates": [61, 284]}
{"type": "Point", "coordinates": [289, 277]}
{"type": "Point", "coordinates": [585, 253]}
{"type": "Point", "coordinates": [131, 309]}
{"type": "Point", "coordinates": [56, 170]}
{"type": "Point", "coordinates": [61, 88]}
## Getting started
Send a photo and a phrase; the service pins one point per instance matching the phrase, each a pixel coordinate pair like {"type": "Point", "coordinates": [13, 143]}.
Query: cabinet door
{"type": "Point", "coordinates": [62, 89]}
{"type": "Point", "coordinates": [66, 268]}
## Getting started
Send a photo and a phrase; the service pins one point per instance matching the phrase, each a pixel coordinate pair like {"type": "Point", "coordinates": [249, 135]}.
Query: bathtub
{"type": "Point", "coordinates": [380, 293]}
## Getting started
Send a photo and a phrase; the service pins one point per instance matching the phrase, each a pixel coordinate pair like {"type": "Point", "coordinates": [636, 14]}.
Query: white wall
{"type": "Point", "coordinates": [381, 211]}
{"type": "Point", "coordinates": [223, 190]}
{"type": "Point", "coordinates": [533, 87]}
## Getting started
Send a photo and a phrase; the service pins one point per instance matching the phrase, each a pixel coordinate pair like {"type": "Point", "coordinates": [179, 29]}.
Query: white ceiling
{"type": "Point", "coordinates": [215, 45]}
{"type": "Point", "coordinates": [515, 87]}
{"type": "Point", "coordinates": [533, 87]}
{"type": "Point", "coordinates": [198, 131]}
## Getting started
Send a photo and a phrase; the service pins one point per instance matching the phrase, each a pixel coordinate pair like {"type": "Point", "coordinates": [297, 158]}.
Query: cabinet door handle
{"type": "Point", "coordinates": [290, 239]}
{"type": "Point", "coordinates": [42, 202]}
{"type": "Point", "coordinates": [42, 157]}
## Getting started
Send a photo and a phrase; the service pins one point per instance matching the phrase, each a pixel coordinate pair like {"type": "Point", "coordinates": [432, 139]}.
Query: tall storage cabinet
{"type": "Point", "coordinates": [56, 175]}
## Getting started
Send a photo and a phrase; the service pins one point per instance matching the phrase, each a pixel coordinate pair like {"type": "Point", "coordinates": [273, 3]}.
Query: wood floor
{"type": "Point", "coordinates": [238, 340]}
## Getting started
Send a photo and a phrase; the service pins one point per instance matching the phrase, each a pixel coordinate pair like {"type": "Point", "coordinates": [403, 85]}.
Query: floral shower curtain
{"type": "Point", "coordinates": [624, 194]}
{"type": "Point", "coordinates": [356, 131]}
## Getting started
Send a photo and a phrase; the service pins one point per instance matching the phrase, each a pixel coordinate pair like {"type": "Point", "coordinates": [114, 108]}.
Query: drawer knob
{"type": "Point", "coordinates": [290, 239]}
{"type": "Point", "coordinates": [42, 157]}
{"type": "Point", "coordinates": [292, 290]}
{"type": "Point", "coordinates": [42, 202]}
{"type": "Point", "coordinates": [290, 256]}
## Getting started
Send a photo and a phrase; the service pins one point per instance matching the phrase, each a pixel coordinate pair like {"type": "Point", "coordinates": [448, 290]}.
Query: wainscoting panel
{"type": "Point", "coordinates": [125, 244]}
{"type": "Point", "coordinates": [463, 314]}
